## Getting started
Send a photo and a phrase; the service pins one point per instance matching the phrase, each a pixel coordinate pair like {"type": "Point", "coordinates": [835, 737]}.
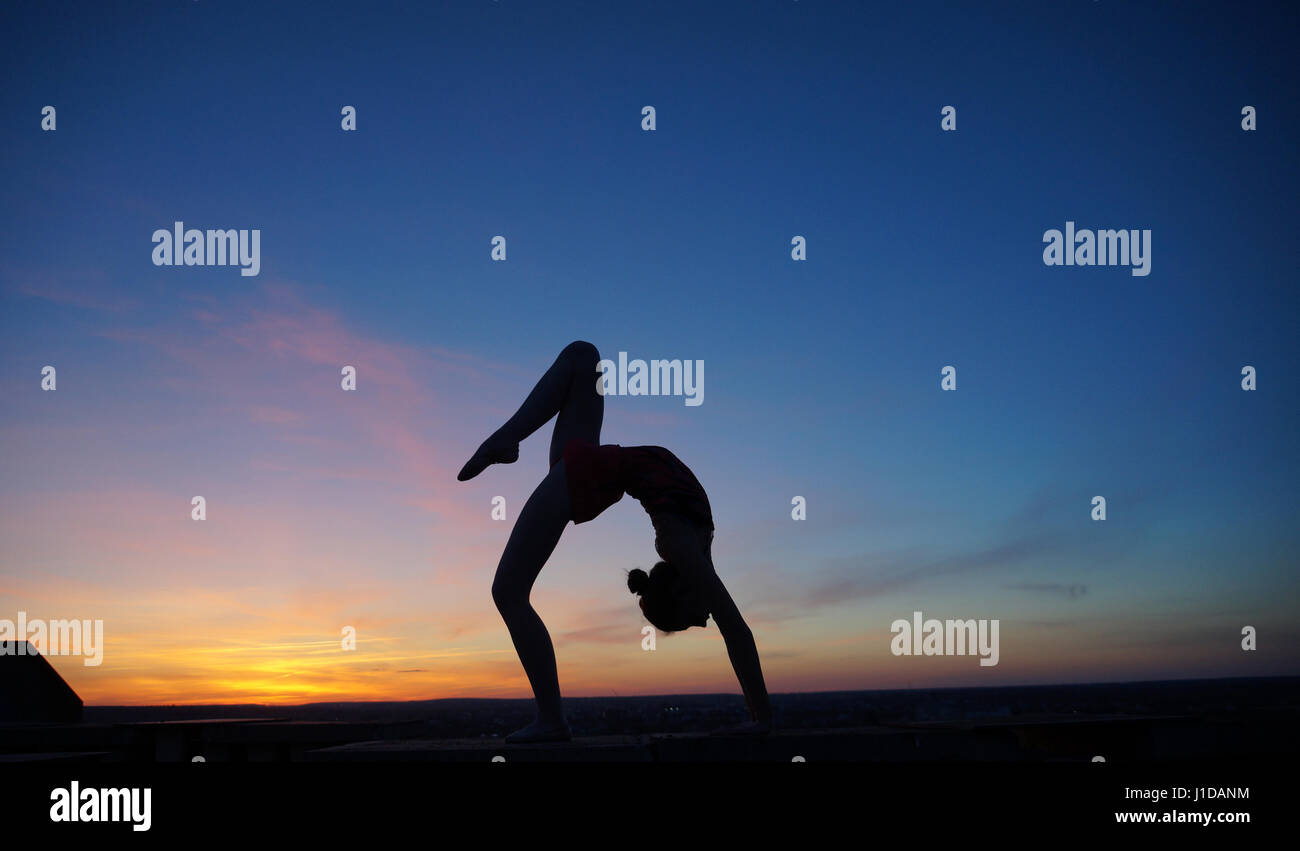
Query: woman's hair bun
{"type": "Point", "coordinates": [637, 581]}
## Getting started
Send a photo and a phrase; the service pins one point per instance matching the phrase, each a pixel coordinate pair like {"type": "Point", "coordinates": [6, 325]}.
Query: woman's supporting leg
{"type": "Point", "coordinates": [531, 543]}
{"type": "Point", "coordinates": [567, 391]}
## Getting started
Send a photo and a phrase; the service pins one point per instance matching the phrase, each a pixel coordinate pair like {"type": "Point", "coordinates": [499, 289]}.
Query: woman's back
{"type": "Point", "coordinates": [598, 476]}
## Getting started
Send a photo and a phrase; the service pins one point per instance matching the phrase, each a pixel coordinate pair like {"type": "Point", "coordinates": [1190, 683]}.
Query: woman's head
{"type": "Point", "coordinates": [666, 598]}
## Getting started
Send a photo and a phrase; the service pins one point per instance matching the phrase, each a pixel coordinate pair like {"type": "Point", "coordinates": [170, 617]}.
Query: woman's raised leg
{"type": "Point", "coordinates": [567, 391]}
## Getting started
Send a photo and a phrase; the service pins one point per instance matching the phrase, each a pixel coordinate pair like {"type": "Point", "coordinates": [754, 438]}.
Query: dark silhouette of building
{"type": "Point", "coordinates": [31, 690]}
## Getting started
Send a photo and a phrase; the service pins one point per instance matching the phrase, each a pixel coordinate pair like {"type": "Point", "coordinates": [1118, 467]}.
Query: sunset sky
{"type": "Point", "coordinates": [328, 508]}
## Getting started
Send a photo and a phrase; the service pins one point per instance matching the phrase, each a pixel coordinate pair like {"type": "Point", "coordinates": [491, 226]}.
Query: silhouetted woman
{"type": "Point", "coordinates": [681, 591]}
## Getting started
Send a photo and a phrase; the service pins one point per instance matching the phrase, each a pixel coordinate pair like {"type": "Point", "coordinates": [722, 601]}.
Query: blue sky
{"type": "Point", "coordinates": [822, 377]}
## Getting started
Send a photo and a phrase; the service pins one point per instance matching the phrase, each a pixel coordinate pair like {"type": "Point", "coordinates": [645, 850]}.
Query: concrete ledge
{"type": "Point", "coordinates": [581, 749]}
{"type": "Point", "coordinates": [1073, 737]}
{"type": "Point", "coordinates": [69, 756]}
{"type": "Point", "coordinates": [872, 744]}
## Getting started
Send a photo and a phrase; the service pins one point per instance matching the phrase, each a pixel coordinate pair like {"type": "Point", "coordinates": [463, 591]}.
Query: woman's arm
{"type": "Point", "coordinates": [682, 545]}
{"type": "Point", "coordinates": [740, 648]}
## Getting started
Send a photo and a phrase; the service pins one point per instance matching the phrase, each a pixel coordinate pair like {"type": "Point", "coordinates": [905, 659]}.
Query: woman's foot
{"type": "Point", "coordinates": [492, 451]}
{"type": "Point", "coordinates": [540, 731]}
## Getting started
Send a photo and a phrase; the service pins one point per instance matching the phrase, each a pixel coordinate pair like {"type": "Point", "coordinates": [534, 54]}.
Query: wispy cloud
{"type": "Point", "coordinates": [1053, 588]}
{"type": "Point", "coordinates": [85, 288]}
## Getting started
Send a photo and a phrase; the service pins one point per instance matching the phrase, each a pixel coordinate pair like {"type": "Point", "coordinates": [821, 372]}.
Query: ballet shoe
{"type": "Point", "coordinates": [491, 452]}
